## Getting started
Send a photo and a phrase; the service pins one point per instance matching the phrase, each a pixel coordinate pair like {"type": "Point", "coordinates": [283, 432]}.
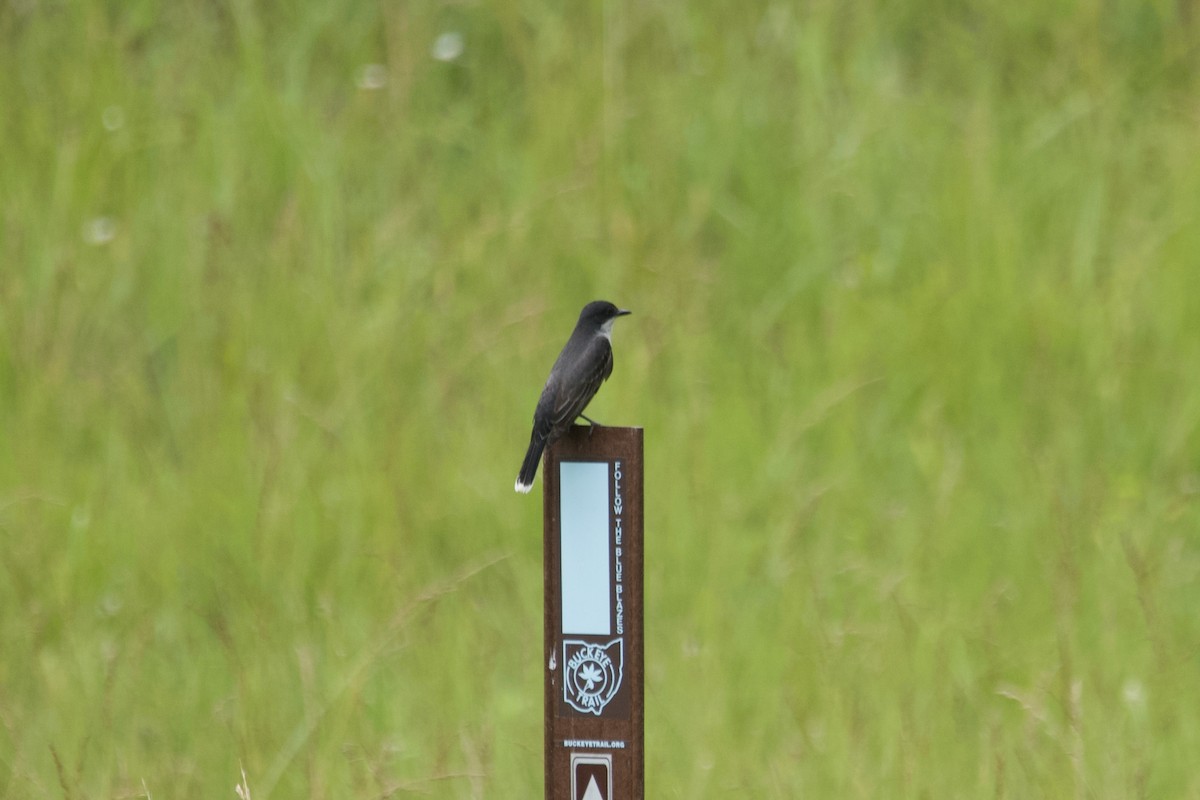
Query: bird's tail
{"type": "Point", "coordinates": [529, 468]}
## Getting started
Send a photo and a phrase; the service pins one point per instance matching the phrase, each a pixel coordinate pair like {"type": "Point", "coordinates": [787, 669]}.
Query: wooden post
{"type": "Point", "coordinates": [594, 717]}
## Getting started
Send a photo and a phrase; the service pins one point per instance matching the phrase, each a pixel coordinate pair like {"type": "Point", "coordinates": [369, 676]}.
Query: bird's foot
{"type": "Point", "coordinates": [592, 424]}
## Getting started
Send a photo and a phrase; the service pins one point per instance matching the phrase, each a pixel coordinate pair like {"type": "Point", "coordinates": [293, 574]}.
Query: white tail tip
{"type": "Point", "coordinates": [523, 488]}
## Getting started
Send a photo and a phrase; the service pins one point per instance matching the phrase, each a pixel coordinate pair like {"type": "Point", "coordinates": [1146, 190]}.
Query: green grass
{"type": "Point", "coordinates": [915, 348]}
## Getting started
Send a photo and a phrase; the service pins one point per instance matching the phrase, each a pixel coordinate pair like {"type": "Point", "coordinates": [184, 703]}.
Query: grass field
{"type": "Point", "coordinates": [916, 346]}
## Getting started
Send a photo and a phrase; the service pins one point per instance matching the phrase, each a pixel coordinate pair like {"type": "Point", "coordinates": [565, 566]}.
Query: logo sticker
{"type": "Point", "coordinates": [592, 674]}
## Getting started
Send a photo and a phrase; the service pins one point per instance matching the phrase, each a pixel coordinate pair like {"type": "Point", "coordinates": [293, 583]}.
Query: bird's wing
{"type": "Point", "coordinates": [576, 390]}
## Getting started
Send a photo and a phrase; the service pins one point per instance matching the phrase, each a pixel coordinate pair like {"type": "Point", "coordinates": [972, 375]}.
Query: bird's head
{"type": "Point", "coordinates": [600, 314]}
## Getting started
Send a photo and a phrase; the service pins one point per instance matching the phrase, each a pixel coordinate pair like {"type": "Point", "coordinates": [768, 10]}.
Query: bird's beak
{"type": "Point", "coordinates": [623, 311]}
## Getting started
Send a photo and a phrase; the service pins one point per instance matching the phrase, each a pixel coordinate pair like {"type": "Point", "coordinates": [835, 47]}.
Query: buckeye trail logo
{"type": "Point", "coordinates": [592, 675]}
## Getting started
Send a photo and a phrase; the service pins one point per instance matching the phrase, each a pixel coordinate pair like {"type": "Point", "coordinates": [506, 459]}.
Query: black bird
{"type": "Point", "coordinates": [585, 362]}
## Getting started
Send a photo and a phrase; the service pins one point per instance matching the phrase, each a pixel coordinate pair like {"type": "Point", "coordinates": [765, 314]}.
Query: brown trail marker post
{"type": "Point", "coordinates": [592, 492]}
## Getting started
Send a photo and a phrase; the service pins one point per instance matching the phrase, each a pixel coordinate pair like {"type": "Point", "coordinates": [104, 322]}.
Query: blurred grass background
{"type": "Point", "coordinates": [915, 346]}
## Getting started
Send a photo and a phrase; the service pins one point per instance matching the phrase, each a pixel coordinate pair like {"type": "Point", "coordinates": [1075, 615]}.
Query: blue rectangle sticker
{"type": "Point", "coordinates": [584, 509]}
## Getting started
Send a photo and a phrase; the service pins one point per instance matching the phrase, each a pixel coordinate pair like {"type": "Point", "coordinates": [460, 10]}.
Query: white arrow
{"type": "Point", "coordinates": [593, 791]}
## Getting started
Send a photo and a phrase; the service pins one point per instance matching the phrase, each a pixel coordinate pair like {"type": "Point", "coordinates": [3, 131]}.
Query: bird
{"type": "Point", "coordinates": [585, 362]}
